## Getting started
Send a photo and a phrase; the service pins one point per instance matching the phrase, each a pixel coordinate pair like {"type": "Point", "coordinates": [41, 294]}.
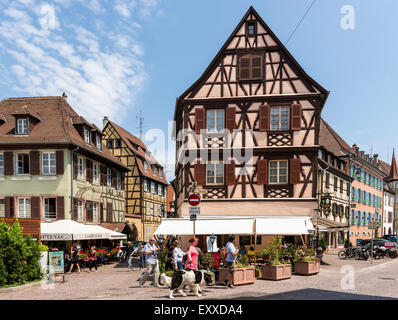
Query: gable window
{"type": "Point", "coordinates": [50, 211]}
{"type": "Point", "coordinates": [215, 173]}
{"type": "Point", "coordinates": [119, 180]}
{"type": "Point", "coordinates": [80, 167]}
{"type": "Point", "coordinates": [23, 207]}
{"type": "Point", "coordinates": [95, 173]}
{"type": "Point", "coordinates": [215, 120]}
{"type": "Point", "coordinates": [22, 163]}
{"type": "Point", "coordinates": [79, 210]}
{"type": "Point", "coordinates": [87, 135]}
{"type": "Point", "coordinates": [118, 143]}
{"type": "Point", "coordinates": [250, 67]}
{"type": "Point", "coordinates": [154, 170]}
{"type": "Point", "coordinates": [251, 29]}
{"type": "Point", "coordinates": [98, 142]}
{"type": "Point", "coordinates": [22, 126]}
{"type": "Point", "coordinates": [1, 164]}
{"type": "Point", "coordinates": [48, 163]}
{"type": "Point", "coordinates": [277, 171]}
{"type": "Point", "coordinates": [108, 177]}
{"type": "Point", "coordinates": [280, 118]}
{"type": "Point", "coordinates": [109, 144]}
{"type": "Point", "coordinates": [145, 165]}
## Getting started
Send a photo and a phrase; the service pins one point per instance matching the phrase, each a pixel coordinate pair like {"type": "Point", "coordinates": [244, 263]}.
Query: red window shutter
{"type": "Point", "coordinates": [294, 171]}
{"type": "Point", "coordinates": [8, 163]}
{"type": "Point", "coordinates": [101, 212]}
{"type": "Point", "coordinates": [34, 162]}
{"type": "Point", "coordinates": [35, 207]}
{"type": "Point", "coordinates": [230, 118]}
{"type": "Point", "coordinates": [230, 174]}
{"type": "Point", "coordinates": [60, 208]}
{"type": "Point", "coordinates": [59, 162]}
{"type": "Point", "coordinates": [199, 120]}
{"type": "Point", "coordinates": [109, 210]}
{"type": "Point", "coordinates": [199, 173]}
{"type": "Point", "coordinates": [262, 176]}
{"type": "Point", "coordinates": [9, 211]}
{"type": "Point", "coordinates": [264, 118]}
{"type": "Point", "coordinates": [75, 166]}
{"type": "Point", "coordinates": [75, 209]}
{"type": "Point", "coordinates": [295, 117]}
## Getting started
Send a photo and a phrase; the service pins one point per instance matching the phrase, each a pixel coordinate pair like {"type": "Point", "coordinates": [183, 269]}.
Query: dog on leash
{"type": "Point", "coordinates": [192, 278]}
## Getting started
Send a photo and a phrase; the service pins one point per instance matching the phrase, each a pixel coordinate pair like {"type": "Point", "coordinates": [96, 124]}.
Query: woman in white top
{"type": "Point", "coordinates": [178, 255]}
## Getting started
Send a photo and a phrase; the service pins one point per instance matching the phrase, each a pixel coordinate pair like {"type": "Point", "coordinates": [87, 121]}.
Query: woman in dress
{"type": "Point", "coordinates": [192, 255]}
{"type": "Point", "coordinates": [75, 259]}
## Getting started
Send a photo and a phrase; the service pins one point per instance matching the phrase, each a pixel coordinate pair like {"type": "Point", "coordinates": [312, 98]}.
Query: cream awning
{"type": "Point", "coordinates": [63, 230]}
{"type": "Point", "coordinates": [205, 226]}
{"type": "Point", "coordinates": [283, 225]}
{"type": "Point", "coordinates": [109, 234]}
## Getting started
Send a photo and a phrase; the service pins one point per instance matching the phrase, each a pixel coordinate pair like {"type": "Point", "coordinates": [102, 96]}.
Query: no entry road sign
{"type": "Point", "coordinates": [194, 199]}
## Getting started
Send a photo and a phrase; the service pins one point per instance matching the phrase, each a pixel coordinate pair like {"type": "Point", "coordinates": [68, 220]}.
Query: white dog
{"type": "Point", "coordinates": [193, 279]}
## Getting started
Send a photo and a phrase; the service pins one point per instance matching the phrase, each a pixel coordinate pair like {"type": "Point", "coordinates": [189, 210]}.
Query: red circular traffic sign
{"type": "Point", "coordinates": [194, 199]}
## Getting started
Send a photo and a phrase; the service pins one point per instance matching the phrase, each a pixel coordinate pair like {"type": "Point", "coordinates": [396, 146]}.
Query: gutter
{"type": "Point", "coordinates": [71, 187]}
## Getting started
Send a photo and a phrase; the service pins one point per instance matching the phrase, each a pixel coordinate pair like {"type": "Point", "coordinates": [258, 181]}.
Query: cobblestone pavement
{"type": "Point", "coordinates": [378, 280]}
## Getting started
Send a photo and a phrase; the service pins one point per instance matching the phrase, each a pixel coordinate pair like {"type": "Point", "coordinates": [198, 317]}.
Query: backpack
{"type": "Point", "coordinates": [223, 253]}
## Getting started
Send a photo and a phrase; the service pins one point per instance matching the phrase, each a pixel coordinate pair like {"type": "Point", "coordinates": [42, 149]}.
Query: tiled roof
{"type": "Point", "coordinates": [25, 110]}
{"type": "Point", "coordinates": [55, 127]}
{"type": "Point", "coordinates": [329, 139]}
{"type": "Point", "coordinates": [117, 227]}
{"type": "Point", "coordinates": [393, 174]}
{"type": "Point", "coordinates": [142, 153]}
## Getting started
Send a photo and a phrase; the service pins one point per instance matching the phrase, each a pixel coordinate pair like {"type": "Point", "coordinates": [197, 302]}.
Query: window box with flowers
{"type": "Point", "coordinates": [243, 273]}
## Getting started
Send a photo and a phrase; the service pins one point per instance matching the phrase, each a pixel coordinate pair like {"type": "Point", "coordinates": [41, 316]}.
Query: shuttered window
{"type": "Point", "coordinates": [200, 174]}
{"type": "Point", "coordinates": [215, 120]}
{"type": "Point", "coordinates": [23, 208]}
{"type": "Point", "coordinates": [50, 209]}
{"type": "Point", "coordinates": [279, 118]}
{"type": "Point", "coordinates": [215, 173]}
{"type": "Point", "coordinates": [262, 171]}
{"type": "Point", "coordinates": [109, 177]}
{"type": "Point", "coordinates": [80, 167]}
{"type": "Point", "coordinates": [264, 118]}
{"type": "Point", "coordinates": [250, 67]}
{"type": "Point", "coordinates": [22, 164]}
{"type": "Point", "coordinates": [48, 166]}
{"type": "Point", "coordinates": [200, 121]}
{"type": "Point", "coordinates": [278, 171]}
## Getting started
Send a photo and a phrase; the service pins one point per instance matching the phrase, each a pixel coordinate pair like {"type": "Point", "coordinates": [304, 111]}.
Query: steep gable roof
{"type": "Point", "coordinates": [393, 174]}
{"type": "Point", "coordinates": [332, 141]}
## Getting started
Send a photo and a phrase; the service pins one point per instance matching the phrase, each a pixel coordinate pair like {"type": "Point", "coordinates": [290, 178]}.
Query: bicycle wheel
{"type": "Point", "coordinates": [342, 255]}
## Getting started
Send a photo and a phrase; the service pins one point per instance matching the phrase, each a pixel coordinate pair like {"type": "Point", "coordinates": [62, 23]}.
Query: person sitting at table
{"type": "Point", "coordinates": [242, 250]}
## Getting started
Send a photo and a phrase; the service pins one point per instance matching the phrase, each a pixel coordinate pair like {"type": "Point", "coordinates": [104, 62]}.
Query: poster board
{"type": "Point", "coordinates": [56, 262]}
{"type": "Point", "coordinates": [208, 245]}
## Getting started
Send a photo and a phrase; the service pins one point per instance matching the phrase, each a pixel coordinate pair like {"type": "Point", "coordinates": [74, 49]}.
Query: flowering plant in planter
{"type": "Point", "coordinates": [114, 251]}
{"type": "Point", "coordinates": [83, 255]}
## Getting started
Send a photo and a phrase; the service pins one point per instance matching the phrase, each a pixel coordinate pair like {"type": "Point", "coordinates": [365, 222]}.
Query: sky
{"type": "Point", "coordinates": [116, 57]}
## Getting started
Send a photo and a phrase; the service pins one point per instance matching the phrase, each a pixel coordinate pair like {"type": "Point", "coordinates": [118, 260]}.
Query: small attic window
{"type": "Point", "coordinates": [251, 28]}
{"type": "Point", "coordinates": [22, 126]}
{"type": "Point", "coordinates": [87, 135]}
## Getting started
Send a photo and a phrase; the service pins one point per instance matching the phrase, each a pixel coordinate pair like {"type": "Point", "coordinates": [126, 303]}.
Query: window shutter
{"type": "Point", "coordinates": [34, 162]}
{"type": "Point", "coordinates": [59, 162]}
{"type": "Point", "coordinates": [264, 118]}
{"type": "Point", "coordinates": [87, 170]}
{"type": "Point", "coordinates": [101, 212]}
{"type": "Point", "coordinates": [256, 67]}
{"type": "Point", "coordinates": [230, 118]}
{"type": "Point", "coordinates": [230, 174]}
{"type": "Point", "coordinates": [244, 68]}
{"type": "Point", "coordinates": [35, 207]}
{"type": "Point", "coordinates": [295, 117]}
{"type": "Point", "coordinates": [9, 207]}
{"type": "Point", "coordinates": [74, 166]}
{"type": "Point", "coordinates": [8, 163]}
{"type": "Point", "coordinates": [109, 209]}
{"type": "Point", "coordinates": [199, 120]}
{"type": "Point", "coordinates": [294, 171]}
{"type": "Point", "coordinates": [75, 209]}
{"type": "Point", "coordinates": [199, 172]}
{"type": "Point", "coordinates": [262, 176]}
{"type": "Point", "coordinates": [60, 208]}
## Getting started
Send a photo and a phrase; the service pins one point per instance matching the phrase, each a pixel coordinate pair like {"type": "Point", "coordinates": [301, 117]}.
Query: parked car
{"type": "Point", "coordinates": [390, 237]}
{"type": "Point", "coordinates": [136, 246]}
{"type": "Point", "coordinates": [378, 242]}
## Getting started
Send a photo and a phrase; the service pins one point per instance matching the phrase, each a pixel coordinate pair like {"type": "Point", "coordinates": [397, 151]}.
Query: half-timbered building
{"type": "Point", "coordinates": [145, 183]}
{"type": "Point", "coordinates": [248, 130]}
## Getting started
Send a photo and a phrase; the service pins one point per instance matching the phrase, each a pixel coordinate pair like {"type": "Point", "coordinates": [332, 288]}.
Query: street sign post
{"type": "Point", "coordinates": [194, 199]}
{"type": "Point", "coordinates": [194, 209]}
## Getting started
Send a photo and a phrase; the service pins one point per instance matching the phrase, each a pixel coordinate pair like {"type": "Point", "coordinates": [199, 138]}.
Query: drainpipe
{"type": "Point", "coordinates": [71, 189]}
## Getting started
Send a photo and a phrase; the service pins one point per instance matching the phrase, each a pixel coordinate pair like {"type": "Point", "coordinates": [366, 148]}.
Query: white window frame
{"type": "Point", "coordinates": [53, 214]}
{"type": "Point", "coordinates": [278, 169]}
{"type": "Point", "coordinates": [155, 210]}
{"type": "Point", "coordinates": [1, 164]}
{"type": "Point", "coordinates": [80, 167]}
{"type": "Point", "coordinates": [145, 164]}
{"type": "Point", "coordinates": [145, 186]}
{"type": "Point", "coordinates": [214, 168]}
{"type": "Point", "coordinates": [119, 180]}
{"type": "Point", "coordinates": [22, 126]}
{"type": "Point", "coordinates": [2, 208]}
{"type": "Point", "coordinates": [152, 187]}
{"type": "Point", "coordinates": [279, 115]}
{"type": "Point", "coordinates": [26, 206]}
{"type": "Point", "coordinates": [16, 164]}
{"type": "Point", "coordinates": [95, 172]}
{"type": "Point", "coordinates": [50, 168]}
{"type": "Point", "coordinates": [147, 233]}
{"type": "Point", "coordinates": [108, 177]}
{"type": "Point", "coordinates": [87, 136]}
{"type": "Point", "coordinates": [214, 114]}
{"type": "Point", "coordinates": [147, 208]}
{"type": "Point", "coordinates": [80, 210]}
{"type": "Point", "coordinates": [98, 141]}
{"type": "Point", "coordinates": [95, 212]}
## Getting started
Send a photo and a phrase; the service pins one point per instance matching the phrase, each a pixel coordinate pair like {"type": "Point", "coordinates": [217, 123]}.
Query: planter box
{"type": "Point", "coordinates": [278, 272]}
{"type": "Point", "coordinates": [307, 268]}
{"type": "Point", "coordinates": [239, 277]}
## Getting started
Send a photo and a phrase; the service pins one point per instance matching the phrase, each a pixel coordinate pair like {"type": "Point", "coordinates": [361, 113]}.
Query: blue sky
{"type": "Point", "coordinates": [113, 57]}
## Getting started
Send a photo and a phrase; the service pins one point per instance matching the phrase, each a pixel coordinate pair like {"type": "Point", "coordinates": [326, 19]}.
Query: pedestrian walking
{"type": "Point", "coordinates": [92, 256]}
{"type": "Point", "coordinates": [152, 263]}
{"type": "Point", "coordinates": [129, 255]}
{"type": "Point", "coordinates": [75, 259]}
{"type": "Point", "coordinates": [230, 257]}
{"type": "Point", "coordinates": [141, 254]}
{"type": "Point", "coordinates": [178, 255]}
{"type": "Point", "coordinates": [192, 255]}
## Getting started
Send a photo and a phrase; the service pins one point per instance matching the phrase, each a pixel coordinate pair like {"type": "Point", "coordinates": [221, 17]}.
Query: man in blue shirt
{"type": "Point", "coordinates": [231, 253]}
{"type": "Point", "coordinates": [152, 264]}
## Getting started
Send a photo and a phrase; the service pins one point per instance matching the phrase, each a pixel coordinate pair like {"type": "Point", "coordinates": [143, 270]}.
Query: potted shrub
{"type": "Point", "coordinates": [277, 266]}
{"type": "Point", "coordinates": [243, 272]}
{"type": "Point", "coordinates": [307, 263]}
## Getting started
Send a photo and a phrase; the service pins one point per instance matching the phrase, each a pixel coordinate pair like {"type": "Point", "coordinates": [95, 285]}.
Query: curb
{"type": "Point", "coordinates": [25, 286]}
{"type": "Point", "coordinates": [378, 266]}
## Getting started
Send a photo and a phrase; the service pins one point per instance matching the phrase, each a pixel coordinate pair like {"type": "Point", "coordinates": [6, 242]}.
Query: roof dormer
{"type": "Point", "coordinates": [25, 120]}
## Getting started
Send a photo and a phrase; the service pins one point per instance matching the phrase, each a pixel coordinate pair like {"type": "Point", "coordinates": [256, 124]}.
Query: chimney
{"type": "Point", "coordinates": [104, 122]}
{"type": "Point", "coordinates": [64, 95]}
{"type": "Point", "coordinates": [356, 148]}
{"type": "Point", "coordinates": [376, 157]}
